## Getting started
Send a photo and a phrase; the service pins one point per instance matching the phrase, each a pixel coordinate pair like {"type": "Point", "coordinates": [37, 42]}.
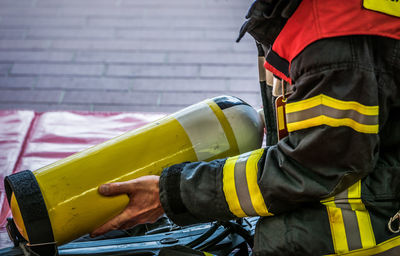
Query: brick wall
{"type": "Point", "coordinates": [121, 55]}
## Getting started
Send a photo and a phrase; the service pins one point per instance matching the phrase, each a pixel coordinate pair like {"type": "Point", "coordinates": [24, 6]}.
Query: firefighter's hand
{"type": "Point", "coordinates": [266, 18]}
{"type": "Point", "coordinates": [144, 203]}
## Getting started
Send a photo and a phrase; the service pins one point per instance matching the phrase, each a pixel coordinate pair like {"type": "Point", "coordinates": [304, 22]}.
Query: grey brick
{"type": "Point", "coordinates": [139, 84]}
{"type": "Point", "coordinates": [180, 4]}
{"type": "Point", "coordinates": [111, 98]}
{"type": "Point", "coordinates": [154, 52]}
{"type": "Point", "coordinates": [141, 45]}
{"type": "Point", "coordinates": [185, 98]}
{"type": "Point", "coordinates": [24, 44]}
{"type": "Point", "coordinates": [246, 45]}
{"type": "Point", "coordinates": [157, 33]}
{"type": "Point", "coordinates": [31, 96]}
{"type": "Point", "coordinates": [84, 83]}
{"type": "Point", "coordinates": [27, 11]}
{"type": "Point", "coordinates": [16, 3]}
{"type": "Point", "coordinates": [120, 57]}
{"type": "Point", "coordinates": [120, 22]}
{"type": "Point", "coordinates": [35, 56]}
{"type": "Point", "coordinates": [212, 58]}
{"type": "Point", "coordinates": [80, 3]}
{"type": "Point", "coordinates": [248, 71]}
{"type": "Point", "coordinates": [56, 69]}
{"type": "Point", "coordinates": [119, 12]}
{"type": "Point", "coordinates": [17, 82]}
{"type": "Point", "coordinates": [153, 70]}
{"type": "Point", "coordinates": [138, 4]}
{"type": "Point", "coordinates": [193, 23]}
{"type": "Point", "coordinates": [244, 85]}
{"type": "Point", "coordinates": [45, 107]}
{"type": "Point", "coordinates": [5, 68]}
{"type": "Point", "coordinates": [24, 21]}
{"type": "Point", "coordinates": [254, 99]}
{"type": "Point", "coordinates": [68, 33]}
{"type": "Point", "coordinates": [180, 85]}
{"type": "Point", "coordinates": [12, 33]}
{"type": "Point", "coordinates": [137, 108]}
{"type": "Point", "coordinates": [181, 33]}
{"type": "Point", "coordinates": [226, 34]}
{"type": "Point", "coordinates": [217, 85]}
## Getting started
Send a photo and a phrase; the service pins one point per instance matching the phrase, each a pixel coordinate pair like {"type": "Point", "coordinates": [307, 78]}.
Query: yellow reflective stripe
{"type": "Point", "coordinates": [320, 120]}
{"type": "Point", "coordinates": [325, 110]}
{"type": "Point", "coordinates": [208, 254]}
{"type": "Point", "coordinates": [230, 188]}
{"type": "Point", "coordinates": [366, 231]}
{"type": "Point", "coordinates": [389, 7]}
{"type": "Point", "coordinates": [354, 196]}
{"type": "Point", "coordinates": [343, 238]}
{"type": "Point", "coordinates": [333, 103]}
{"type": "Point", "coordinates": [337, 229]}
{"type": "Point", "coordinates": [380, 248]}
{"type": "Point", "coordinates": [303, 104]}
{"type": "Point", "coordinates": [329, 201]}
{"type": "Point", "coordinates": [257, 199]}
{"type": "Point", "coordinates": [234, 148]}
{"type": "Point", "coordinates": [281, 118]}
{"type": "Point", "coordinates": [363, 218]}
{"type": "Point", "coordinates": [240, 185]}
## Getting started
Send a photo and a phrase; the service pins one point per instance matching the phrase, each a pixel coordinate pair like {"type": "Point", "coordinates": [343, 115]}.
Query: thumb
{"type": "Point", "coordinates": [243, 30]}
{"type": "Point", "coordinates": [117, 188]}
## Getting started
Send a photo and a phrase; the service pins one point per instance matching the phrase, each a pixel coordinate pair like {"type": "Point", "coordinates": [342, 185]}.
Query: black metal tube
{"type": "Point", "coordinates": [204, 236]}
{"type": "Point", "coordinates": [215, 240]}
{"type": "Point", "coordinates": [267, 100]}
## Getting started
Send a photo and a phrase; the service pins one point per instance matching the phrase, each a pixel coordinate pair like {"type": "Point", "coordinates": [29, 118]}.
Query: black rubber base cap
{"type": "Point", "coordinates": [33, 211]}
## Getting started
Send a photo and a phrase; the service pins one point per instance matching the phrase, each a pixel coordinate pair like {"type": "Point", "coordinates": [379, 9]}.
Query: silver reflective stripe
{"type": "Point", "coordinates": [242, 188]}
{"type": "Point", "coordinates": [331, 112]}
{"type": "Point", "coordinates": [355, 218]}
{"type": "Point", "coordinates": [208, 137]}
{"type": "Point", "coordinates": [342, 201]}
{"type": "Point", "coordinates": [349, 220]}
{"type": "Point", "coordinates": [352, 229]}
{"type": "Point", "coordinates": [242, 123]}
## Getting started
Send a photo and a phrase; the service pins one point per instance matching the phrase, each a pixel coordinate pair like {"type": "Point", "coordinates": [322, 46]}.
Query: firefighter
{"type": "Point", "coordinates": [332, 185]}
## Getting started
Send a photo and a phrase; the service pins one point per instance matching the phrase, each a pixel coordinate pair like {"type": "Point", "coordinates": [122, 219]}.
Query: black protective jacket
{"type": "Point", "coordinates": [330, 186]}
{"type": "Point", "coordinates": [334, 182]}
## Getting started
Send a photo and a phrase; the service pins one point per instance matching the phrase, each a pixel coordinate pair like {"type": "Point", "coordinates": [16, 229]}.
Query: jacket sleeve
{"type": "Point", "coordinates": [333, 122]}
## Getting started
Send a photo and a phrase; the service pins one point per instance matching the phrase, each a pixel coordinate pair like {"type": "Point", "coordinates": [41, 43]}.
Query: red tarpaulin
{"type": "Point", "coordinates": [30, 140]}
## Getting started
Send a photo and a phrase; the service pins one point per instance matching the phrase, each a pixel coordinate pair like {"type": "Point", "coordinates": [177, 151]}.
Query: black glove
{"type": "Point", "coordinates": [266, 18]}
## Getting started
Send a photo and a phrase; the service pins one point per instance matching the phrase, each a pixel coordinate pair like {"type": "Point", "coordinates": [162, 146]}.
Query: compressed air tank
{"type": "Point", "coordinates": [60, 202]}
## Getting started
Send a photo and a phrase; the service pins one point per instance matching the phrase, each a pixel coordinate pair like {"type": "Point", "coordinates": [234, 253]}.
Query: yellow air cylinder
{"type": "Point", "coordinates": [215, 128]}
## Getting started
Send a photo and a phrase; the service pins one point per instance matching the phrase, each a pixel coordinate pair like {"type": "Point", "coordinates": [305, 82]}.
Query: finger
{"type": "Point", "coordinates": [149, 217]}
{"type": "Point", "coordinates": [138, 221]}
{"type": "Point", "coordinates": [129, 225]}
{"type": "Point", "coordinates": [144, 218]}
{"type": "Point", "coordinates": [113, 224]}
{"type": "Point", "coordinates": [117, 188]}
{"type": "Point", "coordinates": [258, 8]}
{"type": "Point", "coordinates": [243, 30]}
{"type": "Point", "coordinates": [251, 9]}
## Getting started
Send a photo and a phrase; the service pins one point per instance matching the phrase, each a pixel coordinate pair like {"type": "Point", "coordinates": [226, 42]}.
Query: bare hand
{"type": "Point", "coordinates": [144, 203]}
